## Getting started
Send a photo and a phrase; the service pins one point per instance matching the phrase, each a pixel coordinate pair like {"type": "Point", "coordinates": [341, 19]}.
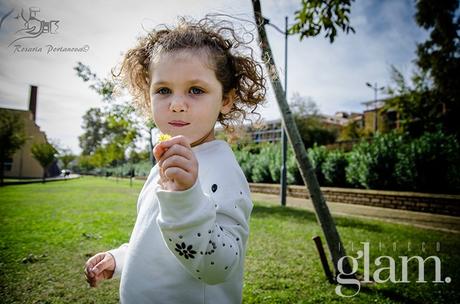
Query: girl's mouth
{"type": "Point", "coordinates": [178, 123]}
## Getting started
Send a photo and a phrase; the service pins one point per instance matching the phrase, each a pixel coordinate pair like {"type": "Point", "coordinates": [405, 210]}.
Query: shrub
{"type": "Point", "coordinates": [318, 155]}
{"type": "Point", "coordinates": [373, 165]}
{"type": "Point", "coordinates": [293, 172]}
{"type": "Point", "coordinates": [432, 163]}
{"type": "Point", "coordinates": [245, 159]}
{"type": "Point", "coordinates": [333, 168]}
{"type": "Point", "coordinates": [261, 167]}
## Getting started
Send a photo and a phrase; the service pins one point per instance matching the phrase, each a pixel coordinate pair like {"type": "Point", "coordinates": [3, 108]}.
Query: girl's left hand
{"type": "Point", "coordinates": [177, 163]}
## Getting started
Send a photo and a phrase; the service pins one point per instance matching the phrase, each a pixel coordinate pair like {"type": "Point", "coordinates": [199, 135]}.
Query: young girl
{"type": "Point", "coordinates": [189, 240]}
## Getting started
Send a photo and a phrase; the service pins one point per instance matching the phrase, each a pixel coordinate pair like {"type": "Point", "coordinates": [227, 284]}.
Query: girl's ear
{"type": "Point", "coordinates": [227, 102]}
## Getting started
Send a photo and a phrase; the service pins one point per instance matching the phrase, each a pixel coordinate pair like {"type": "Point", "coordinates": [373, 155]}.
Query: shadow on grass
{"type": "Point", "coordinates": [360, 224]}
{"type": "Point", "coordinates": [391, 294]}
{"type": "Point", "coordinates": [261, 211]}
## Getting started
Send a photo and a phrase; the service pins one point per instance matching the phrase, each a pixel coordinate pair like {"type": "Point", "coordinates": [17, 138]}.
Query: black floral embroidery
{"type": "Point", "coordinates": [186, 251]}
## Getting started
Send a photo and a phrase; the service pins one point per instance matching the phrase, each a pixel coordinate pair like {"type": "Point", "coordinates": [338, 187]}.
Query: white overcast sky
{"type": "Point", "coordinates": [334, 75]}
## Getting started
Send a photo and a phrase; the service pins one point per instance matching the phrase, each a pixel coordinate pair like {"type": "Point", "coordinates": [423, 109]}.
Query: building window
{"type": "Point", "coordinates": [8, 164]}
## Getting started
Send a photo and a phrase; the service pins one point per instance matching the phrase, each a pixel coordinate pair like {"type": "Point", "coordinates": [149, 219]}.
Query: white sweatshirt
{"type": "Point", "coordinates": [189, 246]}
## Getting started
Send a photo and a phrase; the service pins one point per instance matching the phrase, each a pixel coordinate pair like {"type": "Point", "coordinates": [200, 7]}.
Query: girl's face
{"type": "Point", "coordinates": [186, 95]}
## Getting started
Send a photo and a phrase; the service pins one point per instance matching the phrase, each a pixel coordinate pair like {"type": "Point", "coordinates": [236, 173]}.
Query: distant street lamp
{"type": "Point", "coordinates": [376, 89]}
{"type": "Point", "coordinates": [283, 132]}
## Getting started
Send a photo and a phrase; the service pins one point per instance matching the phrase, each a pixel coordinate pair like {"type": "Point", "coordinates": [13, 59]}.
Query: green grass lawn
{"type": "Point", "coordinates": [48, 231]}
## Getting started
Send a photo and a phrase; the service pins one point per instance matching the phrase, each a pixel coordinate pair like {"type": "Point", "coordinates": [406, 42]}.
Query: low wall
{"type": "Point", "coordinates": [433, 203]}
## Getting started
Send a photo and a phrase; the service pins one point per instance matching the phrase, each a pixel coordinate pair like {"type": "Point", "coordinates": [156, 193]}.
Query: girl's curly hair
{"type": "Point", "coordinates": [236, 71]}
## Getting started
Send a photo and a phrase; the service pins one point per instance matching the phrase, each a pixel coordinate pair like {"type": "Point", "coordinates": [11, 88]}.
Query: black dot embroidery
{"type": "Point", "coordinates": [226, 267]}
{"type": "Point", "coordinates": [197, 270]}
{"type": "Point", "coordinates": [230, 246]}
{"type": "Point", "coordinates": [212, 263]}
{"type": "Point", "coordinates": [180, 236]}
{"type": "Point", "coordinates": [209, 231]}
{"type": "Point", "coordinates": [237, 239]}
{"type": "Point", "coordinates": [214, 188]}
{"type": "Point", "coordinates": [223, 244]}
{"type": "Point", "coordinates": [215, 205]}
{"type": "Point", "coordinates": [198, 234]}
{"type": "Point", "coordinates": [241, 193]}
{"type": "Point", "coordinates": [170, 240]}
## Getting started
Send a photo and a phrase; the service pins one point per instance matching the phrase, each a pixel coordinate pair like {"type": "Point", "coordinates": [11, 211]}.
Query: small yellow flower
{"type": "Point", "coordinates": [163, 137]}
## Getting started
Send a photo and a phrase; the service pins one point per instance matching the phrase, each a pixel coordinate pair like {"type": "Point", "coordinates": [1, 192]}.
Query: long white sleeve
{"type": "Point", "coordinates": [207, 232]}
{"type": "Point", "coordinates": [119, 255]}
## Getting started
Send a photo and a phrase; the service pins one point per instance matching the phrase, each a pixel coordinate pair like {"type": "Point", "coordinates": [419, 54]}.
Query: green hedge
{"type": "Point", "coordinates": [430, 163]}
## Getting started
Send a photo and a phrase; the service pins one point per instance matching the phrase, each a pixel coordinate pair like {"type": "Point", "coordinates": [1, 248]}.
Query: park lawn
{"type": "Point", "coordinates": [48, 231]}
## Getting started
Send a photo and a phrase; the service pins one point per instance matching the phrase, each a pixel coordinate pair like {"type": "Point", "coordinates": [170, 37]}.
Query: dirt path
{"type": "Point", "coordinates": [418, 219]}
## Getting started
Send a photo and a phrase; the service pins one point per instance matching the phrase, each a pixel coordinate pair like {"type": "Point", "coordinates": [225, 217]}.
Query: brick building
{"type": "Point", "coordinates": [22, 164]}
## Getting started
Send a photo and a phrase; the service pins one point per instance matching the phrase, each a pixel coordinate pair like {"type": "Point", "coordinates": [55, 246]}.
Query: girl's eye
{"type": "Point", "coordinates": [162, 91]}
{"type": "Point", "coordinates": [196, 91]}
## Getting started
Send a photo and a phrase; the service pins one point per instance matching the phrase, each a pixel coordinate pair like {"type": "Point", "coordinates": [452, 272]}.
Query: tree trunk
{"type": "Point", "coordinates": [323, 215]}
{"type": "Point", "coordinates": [44, 174]}
{"type": "Point", "coordinates": [2, 168]}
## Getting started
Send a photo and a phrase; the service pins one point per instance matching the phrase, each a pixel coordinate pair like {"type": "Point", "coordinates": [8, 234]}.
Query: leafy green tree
{"type": "Point", "coordinates": [12, 136]}
{"type": "Point", "coordinates": [45, 154]}
{"type": "Point", "coordinates": [351, 131]}
{"type": "Point", "coordinates": [439, 57]}
{"type": "Point", "coordinates": [113, 130]}
{"type": "Point", "coordinates": [417, 107]}
{"type": "Point", "coordinates": [66, 157]}
{"type": "Point", "coordinates": [95, 130]}
{"type": "Point", "coordinates": [308, 119]}
{"type": "Point", "coordinates": [316, 16]}
{"type": "Point", "coordinates": [104, 87]}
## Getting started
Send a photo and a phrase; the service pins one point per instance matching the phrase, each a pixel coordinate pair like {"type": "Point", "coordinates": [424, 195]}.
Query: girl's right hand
{"type": "Point", "coordinates": [99, 267]}
{"type": "Point", "coordinates": [177, 163]}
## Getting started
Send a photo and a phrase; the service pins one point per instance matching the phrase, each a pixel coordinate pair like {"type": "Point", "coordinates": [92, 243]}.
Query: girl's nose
{"type": "Point", "coordinates": [178, 104]}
